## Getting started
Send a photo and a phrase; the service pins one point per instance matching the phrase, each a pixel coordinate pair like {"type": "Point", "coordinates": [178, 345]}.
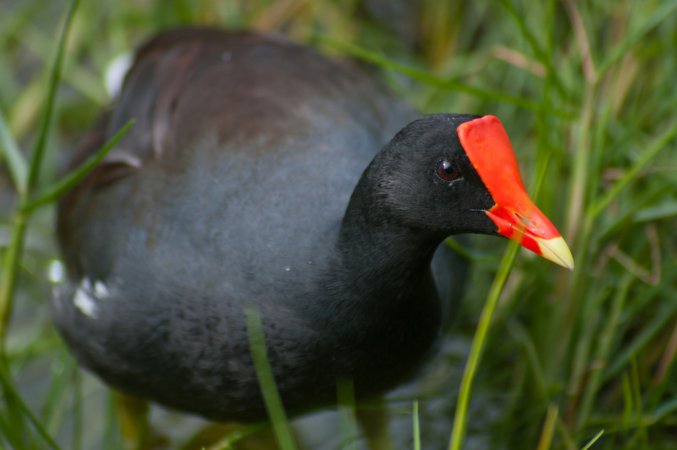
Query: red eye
{"type": "Point", "coordinates": [447, 171]}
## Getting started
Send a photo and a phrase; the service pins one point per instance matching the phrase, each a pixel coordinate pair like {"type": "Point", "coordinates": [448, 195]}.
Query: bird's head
{"type": "Point", "coordinates": [450, 173]}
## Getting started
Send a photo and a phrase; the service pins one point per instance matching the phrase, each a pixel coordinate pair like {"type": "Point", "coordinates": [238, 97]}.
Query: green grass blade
{"type": "Point", "coordinates": [540, 383]}
{"type": "Point", "coordinates": [20, 222]}
{"type": "Point", "coordinates": [228, 442]}
{"type": "Point", "coordinates": [665, 316]}
{"type": "Point", "coordinates": [662, 211]}
{"type": "Point", "coordinates": [649, 196]}
{"type": "Point", "coordinates": [521, 336]}
{"type": "Point", "coordinates": [45, 125]}
{"type": "Point", "coordinates": [10, 391]}
{"type": "Point", "coordinates": [548, 431]}
{"type": "Point", "coordinates": [6, 432]}
{"type": "Point", "coordinates": [264, 373]}
{"type": "Point", "coordinates": [12, 423]}
{"type": "Point", "coordinates": [345, 393]}
{"type": "Point", "coordinates": [10, 266]}
{"type": "Point", "coordinates": [15, 160]}
{"type": "Point", "coordinates": [589, 445]}
{"type": "Point", "coordinates": [641, 432]}
{"type": "Point", "coordinates": [461, 413]}
{"type": "Point", "coordinates": [445, 84]}
{"type": "Point", "coordinates": [535, 47]}
{"type": "Point", "coordinates": [603, 350]}
{"type": "Point", "coordinates": [653, 149]}
{"type": "Point", "coordinates": [55, 192]}
{"type": "Point", "coordinates": [664, 410]}
{"type": "Point", "coordinates": [661, 14]}
{"type": "Point", "coordinates": [111, 435]}
{"type": "Point", "coordinates": [416, 426]}
{"type": "Point", "coordinates": [77, 409]}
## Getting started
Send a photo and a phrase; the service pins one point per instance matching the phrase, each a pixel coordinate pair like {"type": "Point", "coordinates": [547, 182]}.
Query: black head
{"type": "Point", "coordinates": [450, 173]}
{"type": "Point", "coordinates": [424, 180]}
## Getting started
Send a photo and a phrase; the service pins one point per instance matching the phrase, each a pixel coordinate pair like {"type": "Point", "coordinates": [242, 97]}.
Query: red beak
{"type": "Point", "coordinates": [488, 147]}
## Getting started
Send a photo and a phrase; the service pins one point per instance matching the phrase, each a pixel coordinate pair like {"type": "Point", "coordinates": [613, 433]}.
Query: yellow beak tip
{"type": "Point", "coordinates": [557, 251]}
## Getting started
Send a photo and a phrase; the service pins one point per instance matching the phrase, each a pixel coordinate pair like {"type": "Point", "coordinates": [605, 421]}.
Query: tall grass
{"type": "Point", "coordinates": [560, 360]}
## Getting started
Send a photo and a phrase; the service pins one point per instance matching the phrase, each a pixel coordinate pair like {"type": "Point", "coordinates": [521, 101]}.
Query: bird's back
{"type": "Point", "coordinates": [244, 153]}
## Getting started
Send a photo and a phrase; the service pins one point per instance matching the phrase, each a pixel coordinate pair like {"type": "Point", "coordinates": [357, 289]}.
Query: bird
{"type": "Point", "coordinates": [262, 175]}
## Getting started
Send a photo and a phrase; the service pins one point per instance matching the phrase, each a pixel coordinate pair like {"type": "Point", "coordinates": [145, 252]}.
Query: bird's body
{"type": "Point", "coordinates": [232, 191]}
{"type": "Point", "coordinates": [160, 312]}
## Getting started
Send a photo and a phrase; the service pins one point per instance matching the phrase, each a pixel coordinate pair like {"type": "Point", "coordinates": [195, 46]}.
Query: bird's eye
{"type": "Point", "coordinates": [447, 171]}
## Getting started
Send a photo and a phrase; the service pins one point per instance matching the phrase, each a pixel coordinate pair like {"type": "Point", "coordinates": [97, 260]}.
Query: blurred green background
{"type": "Point", "coordinates": [587, 93]}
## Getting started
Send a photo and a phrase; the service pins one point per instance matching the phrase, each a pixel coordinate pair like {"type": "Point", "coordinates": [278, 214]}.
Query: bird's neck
{"type": "Point", "coordinates": [377, 250]}
{"type": "Point", "coordinates": [385, 307]}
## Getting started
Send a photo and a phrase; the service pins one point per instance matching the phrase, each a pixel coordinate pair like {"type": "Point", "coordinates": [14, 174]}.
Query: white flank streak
{"type": "Point", "coordinates": [101, 291]}
{"type": "Point", "coordinates": [85, 303]}
{"type": "Point", "coordinates": [88, 294]}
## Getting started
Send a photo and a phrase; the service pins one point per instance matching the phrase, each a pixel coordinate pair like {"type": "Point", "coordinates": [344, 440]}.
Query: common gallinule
{"type": "Point", "coordinates": [262, 174]}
